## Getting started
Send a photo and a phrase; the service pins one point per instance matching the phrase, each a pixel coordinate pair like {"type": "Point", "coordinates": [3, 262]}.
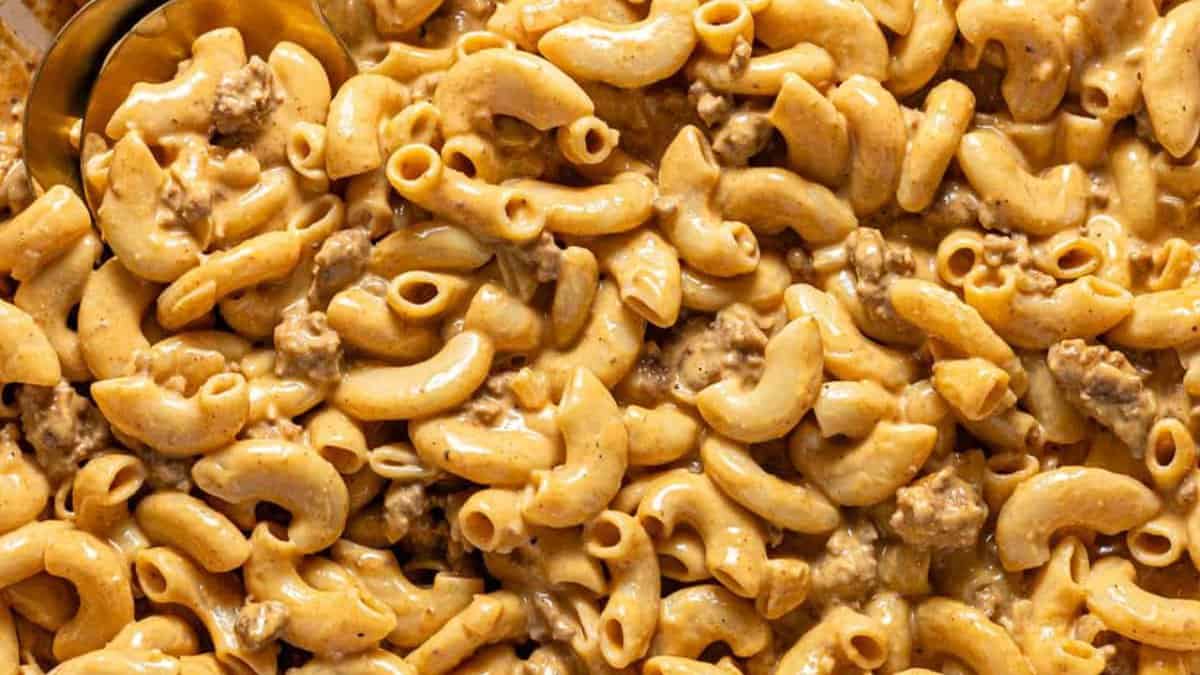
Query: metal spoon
{"type": "Point", "coordinates": [110, 45]}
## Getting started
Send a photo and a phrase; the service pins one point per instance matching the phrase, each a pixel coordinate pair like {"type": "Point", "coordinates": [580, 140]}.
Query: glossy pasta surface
{"type": "Point", "coordinates": [752, 337]}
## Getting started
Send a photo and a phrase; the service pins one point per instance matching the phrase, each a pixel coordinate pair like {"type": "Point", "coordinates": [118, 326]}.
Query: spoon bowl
{"type": "Point", "coordinates": [111, 45]}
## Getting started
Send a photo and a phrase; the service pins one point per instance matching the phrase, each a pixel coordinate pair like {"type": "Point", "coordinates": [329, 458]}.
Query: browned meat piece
{"type": "Point", "coordinates": [305, 346]}
{"type": "Point", "coordinates": [545, 256]}
{"type": "Point", "coordinates": [650, 382]}
{"type": "Point", "coordinates": [550, 619]}
{"type": "Point", "coordinates": [956, 205]}
{"type": "Point", "coordinates": [428, 523]}
{"type": "Point", "coordinates": [1104, 385]}
{"type": "Point", "coordinates": [876, 263]}
{"type": "Point", "coordinates": [340, 262]}
{"type": "Point", "coordinates": [260, 623]}
{"type": "Point", "coordinates": [166, 473]}
{"type": "Point", "coordinates": [1007, 249]}
{"type": "Point", "coordinates": [245, 99]}
{"type": "Point", "coordinates": [16, 192]}
{"type": "Point", "coordinates": [745, 135]}
{"type": "Point", "coordinates": [712, 107]}
{"type": "Point", "coordinates": [63, 427]}
{"type": "Point", "coordinates": [704, 352]}
{"type": "Point", "coordinates": [191, 202]}
{"type": "Point", "coordinates": [403, 505]}
{"type": "Point", "coordinates": [846, 570]}
{"type": "Point", "coordinates": [280, 428]}
{"type": "Point", "coordinates": [494, 400]}
{"type": "Point", "coordinates": [939, 511]}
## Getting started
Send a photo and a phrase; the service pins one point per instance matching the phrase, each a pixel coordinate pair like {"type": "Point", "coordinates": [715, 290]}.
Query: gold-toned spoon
{"type": "Point", "coordinates": [110, 45]}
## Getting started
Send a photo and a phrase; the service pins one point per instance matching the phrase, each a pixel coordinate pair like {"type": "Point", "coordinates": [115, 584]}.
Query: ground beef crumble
{"type": "Point", "coordinates": [650, 381]}
{"type": "Point", "coordinates": [15, 190]}
{"type": "Point", "coordinates": [425, 523]}
{"type": "Point", "coordinates": [1006, 249]}
{"type": "Point", "coordinates": [341, 260]}
{"type": "Point", "coordinates": [1105, 386]}
{"type": "Point", "coordinates": [712, 107]}
{"type": "Point", "coordinates": [63, 427]}
{"type": "Point", "coordinates": [274, 428]}
{"type": "Point", "coordinates": [260, 623]}
{"type": "Point", "coordinates": [306, 346]}
{"type": "Point", "coordinates": [955, 205]}
{"type": "Point", "coordinates": [545, 256]}
{"type": "Point", "coordinates": [548, 618]}
{"type": "Point", "coordinates": [166, 473]}
{"type": "Point", "coordinates": [493, 400]}
{"type": "Point", "coordinates": [705, 351]}
{"type": "Point", "coordinates": [846, 571]}
{"type": "Point", "coordinates": [743, 136]}
{"type": "Point", "coordinates": [877, 263]}
{"type": "Point", "coordinates": [939, 511]}
{"type": "Point", "coordinates": [190, 202]}
{"type": "Point", "coordinates": [245, 99]}
{"type": "Point", "coordinates": [403, 505]}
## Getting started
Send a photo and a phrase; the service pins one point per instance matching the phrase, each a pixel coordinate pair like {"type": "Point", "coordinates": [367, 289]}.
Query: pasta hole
{"type": "Point", "coordinates": [614, 633]}
{"type": "Point", "coordinates": [593, 141]}
{"type": "Point", "coordinates": [344, 460]}
{"type": "Point", "coordinates": [301, 148]}
{"type": "Point", "coordinates": [518, 209]}
{"type": "Point", "coordinates": [1152, 543]}
{"type": "Point", "coordinates": [151, 578]}
{"type": "Point", "coordinates": [419, 293]}
{"type": "Point", "coordinates": [672, 567]}
{"type": "Point", "coordinates": [461, 163]}
{"type": "Point", "coordinates": [1074, 260]}
{"type": "Point", "coordinates": [867, 648]}
{"type": "Point", "coordinates": [961, 262]}
{"type": "Point", "coordinates": [479, 528]}
{"type": "Point", "coordinates": [1095, 99]}
{"type": "Point", "coordinates": [126, 482]}
{"type": "Point", "coordinates": [413, 165]}
{"type": "Point", "coordinates": [721, 13]}
{"type": "Point", "coordinates": [1164, 450]}
{"type": "Point", "coordinates": [606, 534]}
{"type": "Point", "coordinates": [73, 318]}
{"type": "Point", "coordinates": [653, 526]}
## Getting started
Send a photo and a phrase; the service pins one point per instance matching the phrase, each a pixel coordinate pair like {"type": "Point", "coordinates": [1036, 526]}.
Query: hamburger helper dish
{"type": "Point", "coordinates": [578, 336]}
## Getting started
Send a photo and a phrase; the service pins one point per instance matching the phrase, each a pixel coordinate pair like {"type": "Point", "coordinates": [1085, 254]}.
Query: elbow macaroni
{"type": "Point", "coordinates": [576, 321]}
